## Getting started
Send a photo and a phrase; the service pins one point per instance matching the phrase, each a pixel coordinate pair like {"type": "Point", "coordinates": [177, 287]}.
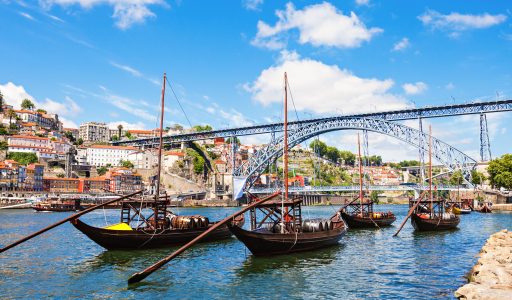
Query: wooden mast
{"type": "Point", "coordinates": [285, 150]}
{"type": "Point", "coordinates": [360, 173]}
{"type": "Point", "coordinates": [430, 167]}
{"type": "Point", "coordinates": [159, 168]}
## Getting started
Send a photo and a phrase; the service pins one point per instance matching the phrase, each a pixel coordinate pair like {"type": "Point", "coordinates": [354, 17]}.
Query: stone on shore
{"type": "Point", "coordinates": [491, 277]}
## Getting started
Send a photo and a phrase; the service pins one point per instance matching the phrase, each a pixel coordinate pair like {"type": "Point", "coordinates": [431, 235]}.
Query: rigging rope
{"type": "Point", "coordinates": [179, 103]}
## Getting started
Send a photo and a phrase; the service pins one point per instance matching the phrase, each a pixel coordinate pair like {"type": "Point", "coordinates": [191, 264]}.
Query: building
{"type": "Point", "coordinates": [34, 177]}
{"type": "Point", "coordinates": [46, 121]}
{"type": "Point", "coordinates": [103, 155]}
{"type": "Point", "coordinates": [123, 181]}
{"type": "Point", "coordinates": [94, 132]}
{"type": "Point", "coordinates": [171, 157]}
{"type": "Point", "coordinates": [74, 132]}
{"type": "Point", "coordinates": [144, 159]}
{"type": "Point", "coordinates": [139, 134]}
{"type": "Point", "coordinates": [92, 185]}
{"type": "Point", "coordinates": [61, 185]}
{"type": "Point", "coordinates": [43, 147]}
{"type": "Point", "coordinates": [8, 175]}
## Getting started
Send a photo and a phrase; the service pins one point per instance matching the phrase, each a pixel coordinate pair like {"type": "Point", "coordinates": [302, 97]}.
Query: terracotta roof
{"type": "Point", "coordinates": [28, 137]}
{"type": "Point", "coordinates": [220, 162]}
{"type": "Point", "coordinates": [59, 178]}
{"type": "Point", "coordinates": [174, 153]}
{"type": "Point", "coordinates": [113, 147]}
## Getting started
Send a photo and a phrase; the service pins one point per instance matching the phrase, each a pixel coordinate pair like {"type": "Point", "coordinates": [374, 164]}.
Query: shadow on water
{"type": "Point", "coordinates": [260, 265]}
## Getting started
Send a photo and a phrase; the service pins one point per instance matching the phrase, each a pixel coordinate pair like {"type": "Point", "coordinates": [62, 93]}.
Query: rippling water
{"type": "Point", "coordinates": [63, 263]}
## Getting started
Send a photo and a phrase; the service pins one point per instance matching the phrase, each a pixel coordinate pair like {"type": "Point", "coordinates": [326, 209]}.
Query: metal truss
{"type": "Point", "coordinates": [449, 156]}
{"type": "Point", "coordinates": [352, 188]}
{"type": "Point", "coordinates": [485, 145]}
{"type": "Point", "coordinates": [399, 115]}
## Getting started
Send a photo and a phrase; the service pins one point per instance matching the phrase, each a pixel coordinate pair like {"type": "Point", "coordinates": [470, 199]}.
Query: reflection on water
{"type": "Point", "coordinates": [369, 263]}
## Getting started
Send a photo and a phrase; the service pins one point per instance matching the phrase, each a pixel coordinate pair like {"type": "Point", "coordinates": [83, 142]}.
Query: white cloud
{"type": "Point", "coordinates": [449, 86]}
{"type": "Point", "coordinates": [252, 4]}
{"type": "Point", "coordinates": [126, 12]}
{"type": "Point", "coordinates": [457, 22]}
{"type": "Point", "coordinates": [323, 88]}
{"type": "Point", "coordinates": [129, 105]}
{"type": "Point", "coordinates": [363, 2]}
{"type": "Point", "coordinates": [320, 25]}
{"type": "Point", "coordinates": [402, 44]}
{"type": "Point", "coordinates": [235, 118]}
{"type": "Point", "coordinates": [126, 125]}
{"type": "Point", "coordinates": [14, 95]}
{"type": "Point", "coordinates": [415, 88]}
{"type": "Point", "coordinates": [27, 16]}
{"type": "Point", "coordinates": [126, 68]}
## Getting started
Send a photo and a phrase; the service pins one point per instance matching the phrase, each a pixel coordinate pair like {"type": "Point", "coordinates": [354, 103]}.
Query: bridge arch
{"type": "Point", "coordinates": [449, 156]}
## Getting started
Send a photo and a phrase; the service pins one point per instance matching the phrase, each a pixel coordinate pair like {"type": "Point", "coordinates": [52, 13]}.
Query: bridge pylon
{"type": "Point", "coordinates": [485, 145]}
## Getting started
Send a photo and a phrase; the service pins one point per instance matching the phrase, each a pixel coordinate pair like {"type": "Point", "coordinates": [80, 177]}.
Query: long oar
{"type": "Point", "coordinates": [345, 206]}
{"type": "Point", "coordinates": [410, 212]}
{"type": "Point", "coordinates": [143, 274]}
{"type": "Point", "coordinates": [83, 212]}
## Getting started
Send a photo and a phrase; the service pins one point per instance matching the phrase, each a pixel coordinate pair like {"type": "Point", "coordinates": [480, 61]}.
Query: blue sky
{"type": "Point", "coordinates": [99, 60]}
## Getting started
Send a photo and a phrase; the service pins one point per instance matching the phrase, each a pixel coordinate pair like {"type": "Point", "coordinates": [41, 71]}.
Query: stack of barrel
{"type": "Point", "coordinates": [188, 222]}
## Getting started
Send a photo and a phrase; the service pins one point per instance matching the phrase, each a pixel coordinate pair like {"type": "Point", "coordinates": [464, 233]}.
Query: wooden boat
{"type": "Point", "coordinates": [436, 218]}
{"type": "Point", "coordinates": [485, 207]}
{"type": "Point", "coordinates": [360, 214]}
{"type": "Point", "coordinates": [161, 228]}
{"type": "Point", "coordinates": [56, 206]}
{"type": "Point", "coordinates": [119, 237]}
{"type": "Point", "coordinates": [281, 229]}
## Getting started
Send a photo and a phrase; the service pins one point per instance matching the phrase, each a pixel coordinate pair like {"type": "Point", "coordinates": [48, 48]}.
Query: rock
{"type": "Point", "coordinates": [491, 277]}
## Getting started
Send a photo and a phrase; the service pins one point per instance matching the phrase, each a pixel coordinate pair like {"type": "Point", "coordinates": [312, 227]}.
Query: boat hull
{"type": "Point", "coordinates": [366, 222]}
{"type": "Point", "coordinates": [52, 209]}
{"type": "Point", "coordinates": [485, 209]}
{"type": "Point", "coordinates": [266, 243]}
{"type": "Point", "coordinates": [423, 224]}
{"type": "Point", "coordinates": [138, 239]}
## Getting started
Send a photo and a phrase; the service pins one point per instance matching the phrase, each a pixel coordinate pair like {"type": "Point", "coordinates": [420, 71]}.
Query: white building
{"type": "Point", "coordinates": [94, 132]}
{"type": "Point", "coordinates": [171, 157]}
{"type": "Point", "coordinates": [144, 159]}
{"type": "Point", "coordinates": [102, 155]}
{"type": "Point", "coordinates": [41, 146]}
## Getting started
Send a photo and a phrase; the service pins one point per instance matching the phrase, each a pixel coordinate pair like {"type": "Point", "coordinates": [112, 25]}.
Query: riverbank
{"type": "Point", "coordinates": [491, 277]}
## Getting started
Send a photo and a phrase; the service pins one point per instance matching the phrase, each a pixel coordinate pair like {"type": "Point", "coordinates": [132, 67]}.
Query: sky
{"type": "Point", "coordinates": [103, 60]}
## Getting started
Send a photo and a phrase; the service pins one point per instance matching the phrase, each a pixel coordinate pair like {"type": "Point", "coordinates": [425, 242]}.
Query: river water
{"type": "Point", "coordinates": [367, 264]}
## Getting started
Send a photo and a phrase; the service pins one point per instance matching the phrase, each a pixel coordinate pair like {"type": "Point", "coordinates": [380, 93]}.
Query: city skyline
{"type": "Point", "coordinates": [225, 62]}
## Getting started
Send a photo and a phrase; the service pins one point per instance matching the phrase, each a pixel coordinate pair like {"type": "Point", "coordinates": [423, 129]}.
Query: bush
{"type": "Point", "coordinates": [23, 158]}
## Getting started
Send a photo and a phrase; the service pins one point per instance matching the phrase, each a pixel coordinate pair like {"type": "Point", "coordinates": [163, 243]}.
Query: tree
{"type": "Point", "coordinates": [27, 104]}
{"type": "Point", "coordinates": [128, 135]}
{"type": "Point", "coordinates": [70, 136]}
{"type": "Point", "coordinates": [374, 196]}
{"type": "Point", "coordinates": [60, 175]}
{"type": "Point", "coordinates": [348, 157]}
{"type": "Point", "coordinates": [332, 154]}
{"type": "Point", "coordinates": [41, 111]}
{"type": "Point", "coordinates": [500, 172]}
{"type": "Point", "coordinates": [24, 158]}
{"type": "Point", "coordinates": [318, 147]}
{"type": "Point", "coordinates": [80, 141]}
{"type": "Point", "coordinates": [102, 170]}
{"type": "Point", "coordinates": [1, 102]}
{"type": "Point", "coordinates": [4, 145]}
{"type": "Point", "coordinates": [115, 138]}
{"type": "Point", "coordinates": [477, 177]}
{"type": "Point", "coordinates": [11, 114]}
{"type": "Point", "coordinates": [119, 130]}
{"type": "Point", "coordinates": [127, 164]}
{"type": "Point", "coordinates": [229, 140]}
{"type": "Point", "coordinates": [456, 178]}
{"type": "Point", "coordinates": [199, 128]}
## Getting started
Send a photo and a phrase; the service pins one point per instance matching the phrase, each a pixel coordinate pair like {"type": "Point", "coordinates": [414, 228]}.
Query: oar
{"type": "Point", "coordinates": [410, 212]}
{"type": "Point", "coordinates": [83, 212]}
{"type": "Point", "coordinates": [143, 274]}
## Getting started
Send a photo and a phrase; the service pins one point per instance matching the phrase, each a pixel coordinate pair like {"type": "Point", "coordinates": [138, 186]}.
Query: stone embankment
{"type": "Point", "coordinates": [491, 277]}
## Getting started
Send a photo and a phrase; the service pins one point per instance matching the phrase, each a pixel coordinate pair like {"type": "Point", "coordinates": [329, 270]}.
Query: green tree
{"type": "Point", "coordinates": [197, 161]}
{"type": "Point", "coordinates": [374, 196]}
{"type": "Point", "coordinates": [42, 111]}
{"type": "Point", "coordinates": [70, 136]}
{"type": "Point", "coordinates": [348, 157]}
{"type": "Point", "coordinates": [115, 138]}
{"type": "Point", "coordinates": [27, 104]}
{"type": "Point", "coordinates": [199, 128]}
{"type": "Point", "coordinates": [319, 147]}
{"type": "Point", "coordinates": [12, 115]}
{"type": "Point", "coordinates": [229, 140]}
{"type": "Point", "coordinates": [332, 154]}
{"type": "Point", "coordinates": [1, 102]}
{"type": "Point", "coordinates": [128, 135]}
{"type": "Point", "coordinates": [23, 158]}
{"type": "Point", "coordinates": [60, 175]}
{"type": "Point", "coordinates": [4, 145]}
{"type": "Point", "coordinates": [477, 177]}
{"type": "Point", "coordinates": [127, 164]}
{"type": "Point", "coordinates": [456, 178]}
{"type": "Point", "coordinates": [119, 130]}
{"type": "Point", "coordinates": [500, 172]}
{"type": "Point", "coordinates": [101, 170]}
{"type": "Point", "coordinates": [80, 141]}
